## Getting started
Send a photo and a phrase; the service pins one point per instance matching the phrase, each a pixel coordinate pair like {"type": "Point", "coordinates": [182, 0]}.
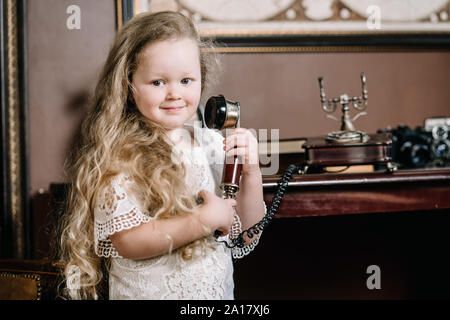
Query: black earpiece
{"type": "Point", "coordinates": [221, 113]}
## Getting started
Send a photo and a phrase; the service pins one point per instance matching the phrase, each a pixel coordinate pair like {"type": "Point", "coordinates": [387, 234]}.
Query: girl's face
{"type": "Point", "coordinates": [168, 82]}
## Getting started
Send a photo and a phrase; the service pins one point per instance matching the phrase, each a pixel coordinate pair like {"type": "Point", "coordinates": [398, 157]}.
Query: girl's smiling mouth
{"type": "Point", "coordinates": [172, 109]}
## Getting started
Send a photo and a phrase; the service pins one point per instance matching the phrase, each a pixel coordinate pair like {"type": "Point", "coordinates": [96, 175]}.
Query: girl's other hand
{"type": "Point", "coordinates": [216, 213]}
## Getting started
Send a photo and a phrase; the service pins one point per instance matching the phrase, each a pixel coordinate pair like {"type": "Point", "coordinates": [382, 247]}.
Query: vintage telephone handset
{"type": "Point", "coordinates": [221, 114]}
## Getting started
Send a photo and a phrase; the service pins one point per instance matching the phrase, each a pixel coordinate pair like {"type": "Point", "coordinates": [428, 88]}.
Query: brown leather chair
{"type": "Point", "coordinates": [28, 279]}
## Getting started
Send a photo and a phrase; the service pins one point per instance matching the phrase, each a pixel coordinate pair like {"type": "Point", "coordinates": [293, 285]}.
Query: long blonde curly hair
{"type": "Point", "coordinates": [116, 138]}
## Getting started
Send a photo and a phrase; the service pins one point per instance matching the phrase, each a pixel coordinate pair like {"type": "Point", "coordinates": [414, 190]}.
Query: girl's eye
{"type": "Point", "coordinates": [186, 81]}
{"type": "Point", "coordinates": [157, 83]}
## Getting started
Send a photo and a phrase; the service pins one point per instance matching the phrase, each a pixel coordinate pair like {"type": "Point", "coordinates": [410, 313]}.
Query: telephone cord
{"type": "Point", "coordinates": [276, 201]}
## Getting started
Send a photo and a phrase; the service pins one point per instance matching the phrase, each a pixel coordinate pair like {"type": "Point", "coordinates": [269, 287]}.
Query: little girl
{"type": "Point", "coordinates": [138, 177]}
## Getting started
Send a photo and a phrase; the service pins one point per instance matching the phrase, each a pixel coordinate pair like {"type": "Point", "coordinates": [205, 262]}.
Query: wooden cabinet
{"type": "Point", "coordinates": [356, 193]}
{"type": "Point", "coordinates": [331, 227]}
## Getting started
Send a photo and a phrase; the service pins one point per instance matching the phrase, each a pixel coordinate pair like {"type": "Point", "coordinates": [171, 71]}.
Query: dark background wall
{"type": "Point", "coordinates": [276, 91]}
{"type": "Point", "coordinates": [63, 68]}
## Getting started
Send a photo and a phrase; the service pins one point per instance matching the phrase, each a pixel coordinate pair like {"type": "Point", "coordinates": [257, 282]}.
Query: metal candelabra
{"type": "Point", "coordinates": [347, 132]}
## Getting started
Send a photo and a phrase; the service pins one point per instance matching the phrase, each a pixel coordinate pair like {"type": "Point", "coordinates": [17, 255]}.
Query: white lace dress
{"type": "Point", "coordinates": [167, 276]}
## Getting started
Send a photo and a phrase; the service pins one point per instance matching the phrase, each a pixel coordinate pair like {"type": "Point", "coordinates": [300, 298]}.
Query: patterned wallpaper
{"type": "Point", "coordinates": [298, 15]}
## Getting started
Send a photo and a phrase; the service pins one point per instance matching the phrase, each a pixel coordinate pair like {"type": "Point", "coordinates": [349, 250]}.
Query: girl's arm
{"type": "Point", "coordinates": [250, 200]}
{"type": "Point", "coordinates": [160, 236]}
{"type": "Point", "coordinates": [152, 239]}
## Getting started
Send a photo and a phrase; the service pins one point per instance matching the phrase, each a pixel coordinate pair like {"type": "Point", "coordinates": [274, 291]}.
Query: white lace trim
{"type": "Point", "coordinates": [239, 253]}
{"type": "Point", "coordinates": [236, 229]}
{"type": "Point", "coordinates": [115, 211]}
{"type": "Point", "coordinates": [126, 221]}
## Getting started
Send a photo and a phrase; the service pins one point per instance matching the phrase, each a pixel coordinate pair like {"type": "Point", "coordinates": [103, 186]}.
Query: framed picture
{"type": "Point", "coordinates": [310, 25]}
{"type": "Point", "coordinates": [15, 218]}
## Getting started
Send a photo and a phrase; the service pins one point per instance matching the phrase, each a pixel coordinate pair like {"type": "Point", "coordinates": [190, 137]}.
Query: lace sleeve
{"type": "Point", "coordinates": [239, 253]}
{"type": "Point", "coordinates": [116, 209]}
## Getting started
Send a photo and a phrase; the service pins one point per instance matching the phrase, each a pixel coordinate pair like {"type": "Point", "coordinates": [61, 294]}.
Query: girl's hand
{"type": "Point", "coordinates": [242, 142]}
{"type": "Point", "coordinates": [216, 213]}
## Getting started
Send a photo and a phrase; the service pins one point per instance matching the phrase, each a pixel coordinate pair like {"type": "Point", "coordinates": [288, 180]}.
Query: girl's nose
{"type": "Point", "coordinates": [174, 92]}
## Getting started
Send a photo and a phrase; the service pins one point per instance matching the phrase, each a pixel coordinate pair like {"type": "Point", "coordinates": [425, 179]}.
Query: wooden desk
{"type": "Point", "coordinates": [354, 193]}
{"type": "Point", "coordinates": [336, 225]}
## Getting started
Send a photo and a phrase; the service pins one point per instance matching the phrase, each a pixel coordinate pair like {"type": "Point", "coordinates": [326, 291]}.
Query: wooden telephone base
{"type": "Point", "coordinates": [320, 152]}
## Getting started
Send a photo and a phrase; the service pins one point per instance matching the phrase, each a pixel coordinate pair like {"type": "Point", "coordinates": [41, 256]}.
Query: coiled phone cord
{"type": "Point", "coordinates": [276, 201]}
